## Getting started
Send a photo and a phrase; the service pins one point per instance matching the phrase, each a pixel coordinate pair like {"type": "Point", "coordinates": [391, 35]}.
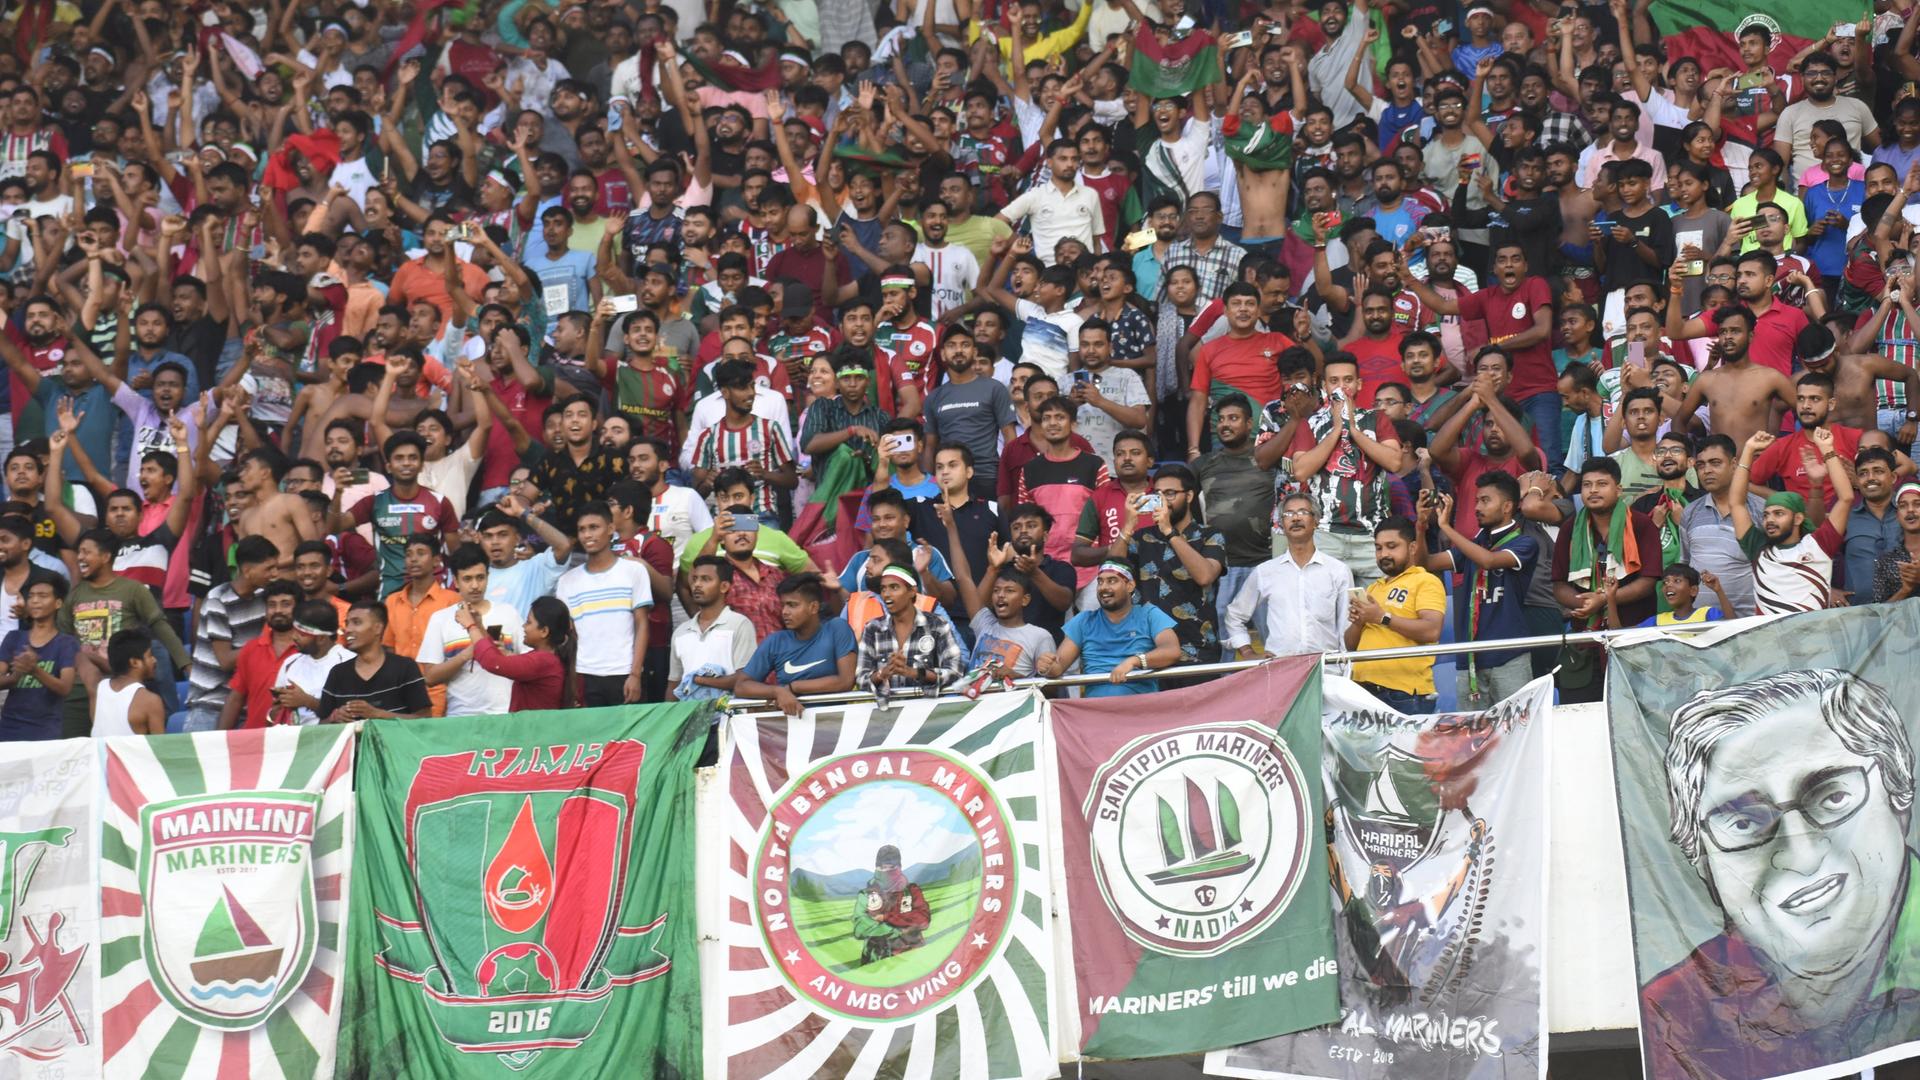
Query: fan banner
{"type": "Point", "coordinates": [525, 896]}
{"type": "Point", "coordinates": [887, 892]}
{"type": "Point", "coordinates": [1192, 863]}
{"type": "Point", "coordinates": [224, 864]}
{"type": "Point", "coordinates": [49, 910]}
{"type": "Point", "coordinates": [1773, 867]}
{"type": "Point", "coordinates": [1436, 830]}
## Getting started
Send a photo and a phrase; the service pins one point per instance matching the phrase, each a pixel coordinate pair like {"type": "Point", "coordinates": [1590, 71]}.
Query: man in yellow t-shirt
{"type": "Point", "coordinates": [1405, 608]}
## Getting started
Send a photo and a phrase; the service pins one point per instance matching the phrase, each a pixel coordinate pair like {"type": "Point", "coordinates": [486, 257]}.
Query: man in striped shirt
{"type": "Point", "coordinates": [741, 438]}
{"type": "Point", "coordinates": [1792, 563]}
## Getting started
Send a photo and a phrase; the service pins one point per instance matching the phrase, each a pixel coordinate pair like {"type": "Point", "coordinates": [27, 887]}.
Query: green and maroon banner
{"type": "Point", "coordinates": [224, 865]}
{"type": "Point", "coordinates": [525, 896]}
{"type": "Point", "coordinates": [1195, 874]}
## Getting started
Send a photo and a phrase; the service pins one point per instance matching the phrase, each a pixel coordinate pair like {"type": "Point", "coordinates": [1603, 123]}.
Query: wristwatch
{"type": "Point", "coordinates": [1912, 415]}
{"type": "Point", "coordinates": [1386, 618]}
{"type": "Point", "coordinates": [1142, 657]}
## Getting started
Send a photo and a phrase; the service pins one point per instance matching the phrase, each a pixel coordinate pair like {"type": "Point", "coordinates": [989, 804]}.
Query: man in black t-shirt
{"type": "Point", "coordinates": [378, 683]}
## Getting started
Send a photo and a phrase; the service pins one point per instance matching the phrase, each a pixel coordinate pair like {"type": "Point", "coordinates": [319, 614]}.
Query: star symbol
{"type": "Point", "coordinates": [793, 956]}
{"type": "Point", "coordinates": [1162, 923]}
{"type": "Point", "coordinates": [979, 941]}
{"type": "Point", "coordinates": [1246, 905]}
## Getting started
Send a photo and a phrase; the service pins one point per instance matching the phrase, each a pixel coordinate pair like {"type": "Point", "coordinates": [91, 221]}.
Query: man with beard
{"type": "Point", "coordinates": [1238, 494]}
{"type": "Point", "coordinates": [953, 273]}
{"type": "Point", "coordinates": [1497, 562]}
{"type": "Point", "coordinates": [1327, 71]}
{"type": "Point", "coordinates": [1404, 608]}
{"type": "Point", "coordinates": [1781, 467]}
{"type": "Point", "coordinates": [914, 345]}
{"type": "Point", "coordinates": [1215, 261]}
{"type": "Point", "coordinates": [302, 675]}
{"type": "Point", "coordinates": [660, 294]}
{"type": "Point", "coordinates": [257, 665]}
{"type": "Point", "coordinates": [678, 513]}
{"type": "Point", "coordinates": [148, 530]}
{"type": "Point", "coordinates": [1639, 417]}
{"type": "Point", "coordinates": [1860, 379]}
{"type": "Point", "coordinates": [970, 408]}
{"type": "Point", "coordinates": [1150, 262]}
{"type": "Point", "coordinates": [403, 511]}
{"type": "Point", "coordinates": [17, 569]}
{"type": "Point", "coordinates": [1676, 490]}
{"type": "Point", "coordinates": [39, 337]}
{"type": "Point", "coordinates": [1177, 562]}
{"type": "Point", "coordinates": [1792, 133]}
{"type": "Point", "coordinates": [1528, 214]}
{"type": "Point", "coordinates": [1739, 393]}
{"type": "Point", "coordinates": [1343, 455]}
{"type": "Point", "coordinates": [1119, 638]}
{"type": "Point", "coordinates": [1049, 582]}
{"type": "Point", "coordinates": [891, 913]}
{"type": "Point", "coordinates": [1111, 505]}
{"type": "Point", "coordinates": [1374, 341]}
{"type": "Point", "coordinates": [149, 400]}
{"type": "Point", "coordinates": [425, 278]}
{"type": "Point", "coordinates": [1394, 215]}
{"type": "Point", "coordinates": [194, 333]}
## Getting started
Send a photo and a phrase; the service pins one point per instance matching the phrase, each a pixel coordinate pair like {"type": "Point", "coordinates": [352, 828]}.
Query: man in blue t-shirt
{"type": "Point", "coordinates": [1498, 562]}
{"type": "Point", "coordinates": [808, 657]}
{"type": "Point", "coordinates": [890, 518]}
{"type": "Point", "coordinates": [1119, 638]}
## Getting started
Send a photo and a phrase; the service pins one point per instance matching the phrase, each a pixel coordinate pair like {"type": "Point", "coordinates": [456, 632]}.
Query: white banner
{"type": "Point", "coordinates": [49, 913]}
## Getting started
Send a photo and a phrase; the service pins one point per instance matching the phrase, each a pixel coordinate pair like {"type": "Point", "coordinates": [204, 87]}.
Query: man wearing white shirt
{"type": "Point", "coordinates": [446, 654]}
{"type": "Point", "coordinates": [768, 404]}
{"type": "Point", "coordinates": [1304, 592]}
{"type": "Point", "coordinates": [1178, 158]}
{"type": "Point", "coordinates": [953, 272]}
{"type": "Point", "coordinates": [1060, 208]}
{"type": "Point", "coordinates": [678, 512]}
{"type": "Point", "coordinates": [303, 674]}
{"type": "Point", "coordinates": [715, 635]}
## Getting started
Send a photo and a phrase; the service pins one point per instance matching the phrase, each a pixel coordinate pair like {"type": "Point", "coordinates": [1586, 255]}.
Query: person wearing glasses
{"type": "Point", "coordinates": [1806, 856]}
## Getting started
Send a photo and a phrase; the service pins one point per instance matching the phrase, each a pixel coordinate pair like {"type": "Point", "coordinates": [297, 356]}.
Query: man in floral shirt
{"type": "Point", "coordinates": [1178, 562]}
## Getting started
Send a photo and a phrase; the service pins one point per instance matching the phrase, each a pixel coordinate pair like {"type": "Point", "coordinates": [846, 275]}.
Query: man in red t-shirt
{"type": "Point", "coordinates": [1776, 327]}
{"type": "Point", "coordinates": [1241, 362]}
{"type": "Point", "coordinates": [1376, 344]}
{"type": "Point", "coordinates": [1517, 311]}
{"type": "Point", "coordinates": [1780, 466]}
{"type": "Point", "coordinates": [258, 663]}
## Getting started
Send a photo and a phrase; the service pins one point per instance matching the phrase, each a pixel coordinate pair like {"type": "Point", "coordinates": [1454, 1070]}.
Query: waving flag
{"type": "Point", "coordinates": [1173, 68]}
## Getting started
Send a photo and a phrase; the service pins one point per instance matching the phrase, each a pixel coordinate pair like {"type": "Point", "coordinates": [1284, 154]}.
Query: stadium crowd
{"type": "Point", "coordinates": [374, 359]}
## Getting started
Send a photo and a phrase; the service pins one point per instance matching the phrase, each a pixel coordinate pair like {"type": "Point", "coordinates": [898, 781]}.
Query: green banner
{"type": "Point", "coordinates": [1194, 863]}
{"type": "Point", "coordinates": [527, 901]}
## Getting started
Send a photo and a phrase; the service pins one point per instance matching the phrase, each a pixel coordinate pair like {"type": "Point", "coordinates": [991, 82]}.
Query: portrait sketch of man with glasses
{"type": "Point", "coordinates": [1792, 797]}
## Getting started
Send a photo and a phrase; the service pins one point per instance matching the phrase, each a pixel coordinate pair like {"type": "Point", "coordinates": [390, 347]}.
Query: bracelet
{"type": "Point", "coordinates": [1829, 456]}
{"type": "Point", "coordinates": [1537, 488]}
{"type": "Point", "coordinates": [1742, 465]}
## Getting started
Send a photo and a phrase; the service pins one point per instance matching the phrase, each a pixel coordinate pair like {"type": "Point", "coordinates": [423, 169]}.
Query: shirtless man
{"type": "Point", "coordinates": [1738, 393]}
{"type": "Point", "coordinates": [1577, 205]}
{"type": "Point", "coordinates": [281, 517]}
{"type": "Point", "coordinates": [1855, 397]}
{"type": "Point", "coordinates": [409, 398]}
{"type": "Point", "coordinates": [1263, 192]}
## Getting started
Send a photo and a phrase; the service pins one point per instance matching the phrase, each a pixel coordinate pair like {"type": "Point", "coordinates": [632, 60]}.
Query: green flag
{"type": "Point", "coordinates": [1173, 68]}
{"type": "Point", "coordinates": [528, 896]}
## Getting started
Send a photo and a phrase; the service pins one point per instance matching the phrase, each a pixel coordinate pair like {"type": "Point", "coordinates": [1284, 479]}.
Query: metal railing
{"type": "Point", "coordinates": [761, 707]}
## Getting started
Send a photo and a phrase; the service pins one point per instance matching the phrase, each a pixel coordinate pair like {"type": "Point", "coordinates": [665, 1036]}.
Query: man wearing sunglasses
{"type": "Point", "coordinates": [1806, 854]}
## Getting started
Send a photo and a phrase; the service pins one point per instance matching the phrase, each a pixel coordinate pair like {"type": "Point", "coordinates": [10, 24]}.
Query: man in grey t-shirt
{"type": "Point", "coordinates": [970, 408]}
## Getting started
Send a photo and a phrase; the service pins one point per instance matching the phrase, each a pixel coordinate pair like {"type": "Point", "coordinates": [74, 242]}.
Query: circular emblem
{"type": "Point", "coordinates": [56, 354]}
{"type": "Point", "coordinates": [917, 348]}
{"type": "Point", "coordinates": [886, 882]}
{"type": "Point", "coordinates": [427, 521]}
{"type": "Point", "coordinates": [1519, 310]}
{"type": "Point", "coordinates": [1200, 836]}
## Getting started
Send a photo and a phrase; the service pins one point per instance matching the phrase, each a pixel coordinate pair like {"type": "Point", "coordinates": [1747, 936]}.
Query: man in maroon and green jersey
{"type": "Point", "coordinates": [914, 366]}
{"type": "Point", "coordinates": [653, 396]}
{"type": "Point", "coordinates": [800, 336]}
{"type": "Point", "coordinates": [404, 510]}
{"type": "Point", "coordinates": [741, 438]}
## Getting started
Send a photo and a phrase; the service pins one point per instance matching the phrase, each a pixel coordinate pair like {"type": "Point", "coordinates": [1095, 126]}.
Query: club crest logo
{"type": "Point", "coordinates": [1200, 836]}
{"type": "Point", "coordinates": [886, 882]}
{"type": "Point", "coordinates": [235, 873]}
{"type": "Point", "coordinates": [521, 858]}
{"type": "Point", "coordinates": [40, 1017]}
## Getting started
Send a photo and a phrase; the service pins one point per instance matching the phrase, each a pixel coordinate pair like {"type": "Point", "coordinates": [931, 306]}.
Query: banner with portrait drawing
{"type": "Point", "coordinates": [1766, 777]}
{"type": "Point", "coordinates": [887, 891]}
{"type": "Point", "coordinates": [1436, 830]}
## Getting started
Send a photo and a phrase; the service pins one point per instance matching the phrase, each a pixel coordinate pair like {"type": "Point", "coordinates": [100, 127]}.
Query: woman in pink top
{"type": "Point", "coordinates": [543, 675]}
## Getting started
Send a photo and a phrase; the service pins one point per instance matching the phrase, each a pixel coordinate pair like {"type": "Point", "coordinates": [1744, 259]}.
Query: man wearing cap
{"type": "Point", "coordinates": [1792, 565]}
{"type": "Point", "coordinates": [806, 260]}
{"type": "Point", "coordinates": [801, 335]}
{"type": "Point", "coordinates": [912, 344]}
{"type": "Point", "coordinates": [1120, 638]}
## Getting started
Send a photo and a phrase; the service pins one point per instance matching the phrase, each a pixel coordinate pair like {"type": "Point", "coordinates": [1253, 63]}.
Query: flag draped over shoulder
{"type": "Point", "coordinates": [729, 73]}
{"type": "Point", "coordinates": [1173, 68]}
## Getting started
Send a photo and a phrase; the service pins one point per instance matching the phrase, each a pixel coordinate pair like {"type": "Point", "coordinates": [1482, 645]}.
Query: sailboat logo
{"type": "Point", "coordinates": [1209, 846]}
{"type": "Point", "coordinates": [1398, 819]}
{"type": "Point", "coordinates": [233, 958]}
{"type": "Point", "coordinates": [1200, 836]}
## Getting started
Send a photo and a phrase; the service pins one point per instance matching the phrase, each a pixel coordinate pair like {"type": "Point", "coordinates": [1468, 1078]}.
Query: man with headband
{"type": "Point", "coordinates": [303, 674]}
{"type": "Point", "coordinates": [1793, 566]}
{"type": "Point", "coordinates": [848, 420]}
{"type": "Point", "coordinates": [910, 647]}
{"type": "Point", "coordinates": [1119, 639]}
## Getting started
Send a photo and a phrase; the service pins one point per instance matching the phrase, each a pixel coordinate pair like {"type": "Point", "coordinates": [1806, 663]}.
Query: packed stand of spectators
{"type": "Point", "coordinates": [372, 360]}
